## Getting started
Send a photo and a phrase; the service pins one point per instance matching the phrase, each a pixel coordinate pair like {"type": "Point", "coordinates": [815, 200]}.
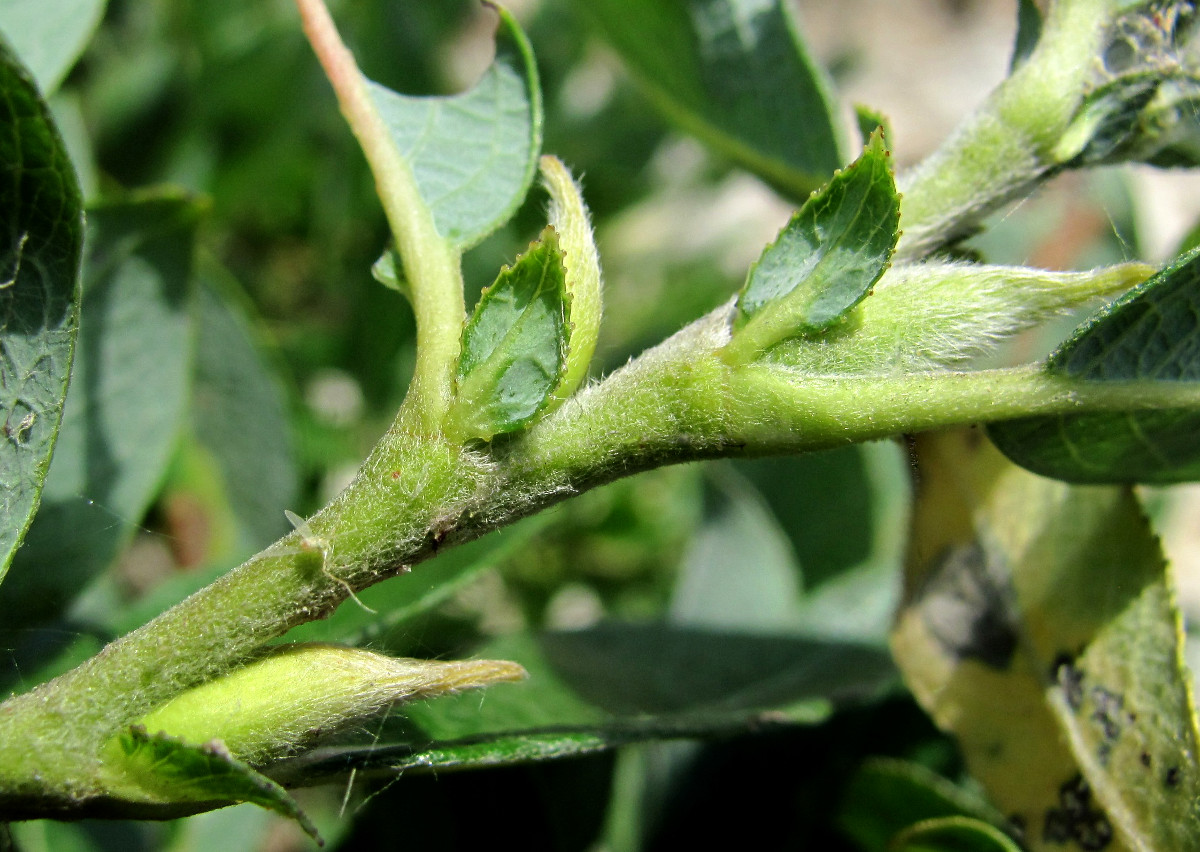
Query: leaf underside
{"type": "Point", "coordinates": [49, 35]}
{"type": "Point", "coordinates": [41, 240]}
{"type": "Point", "coordinates": [473, 154]}
{"type": "Point", "coordinates": [1150, 335]}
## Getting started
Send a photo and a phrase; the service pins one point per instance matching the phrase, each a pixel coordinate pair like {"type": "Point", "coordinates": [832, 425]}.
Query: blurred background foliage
{"type": "Point", "coordinates": [299, 359]}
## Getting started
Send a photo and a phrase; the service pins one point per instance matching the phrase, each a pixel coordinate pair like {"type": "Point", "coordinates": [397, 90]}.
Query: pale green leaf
{"type": "Point", "coordinates": [1152, 334]}
{"type": "Point", "coordinates": [737, 74]}
{"type": "Point", "coordinates": [1039, 628]}
{"type": "Point", "coordinates": [49, 35]}
{"type": "Point", "coordinates": [473, 154]}
{"type": "Point", "coordinates": [41, 238]}
{"type": "Point", "coordinates": [514, 346]}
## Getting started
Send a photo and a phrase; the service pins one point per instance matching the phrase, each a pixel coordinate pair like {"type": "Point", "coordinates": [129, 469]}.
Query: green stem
{"type": "Point", "coordinates": [431, 264]}
{"type": "Point", "coordinates": [413, 495]}
{"type": "Point", "coordinates": [1002, 151]}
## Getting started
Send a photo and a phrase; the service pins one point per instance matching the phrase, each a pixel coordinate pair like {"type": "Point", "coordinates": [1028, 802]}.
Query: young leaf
{"type": "Point", "coordinates": [737, 74]}
{"type": "Point", "coordinates": [1039, 627]}
{"type": "Point", "coordinates": [474, 154]}
{"type": "Point", "coordinates": [161, 768]}
{"type": "Point", "coordinates": [824, 261]}
{"type": "Point", "coordinates": [1152, 334]}
{"type": "Point", "coordinates": [41, 240]}
{"type": "Point", "coordinates": [128, 400]}
{"type": "Point", "coordinates": [569, 217]}
{"type": "Point", "coordinates": [49, 35]}
{"type": "Point", "coordinates": [514, 346]}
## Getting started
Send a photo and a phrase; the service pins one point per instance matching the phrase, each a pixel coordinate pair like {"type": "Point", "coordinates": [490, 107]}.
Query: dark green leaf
{"type": "Point", "coordinates": [41, 237]}
{"type": "Point", "coordinates": [737, 74]}
{"type": "Point", "coordinates": [473, 154]}
{"type": "Point", "coordinates": [1109, 122]}
{"type": "Point", "coordinates": [1152, 334]}
{"type": "Point", "coordinates": [168, 769]}
{"type": "Point", "coordinates": [128, 398]}
{"type": "Point", "coordinates": [601, 688]}
{"type": "Point", "coordinates": [49, 35]}
{"type": "Point", "coordinates": [826, 258]}
{"type": "Point", "coordinates": [514, 346]}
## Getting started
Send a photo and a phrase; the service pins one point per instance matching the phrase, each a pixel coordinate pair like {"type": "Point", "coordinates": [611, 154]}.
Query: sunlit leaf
{"type": "Point", "coordinates": [473, 154]}
{"type": "Point", "coordinates": [514, 346]}
{"type": "Point", "coordinates": [825, 260]}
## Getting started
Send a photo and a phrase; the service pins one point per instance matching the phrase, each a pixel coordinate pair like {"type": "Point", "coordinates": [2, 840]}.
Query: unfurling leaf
{"type": "Point", "coordinates": [1039, 627]}
{"type": "Point", "coordinates": [569, 217]}
{"type": "Point", "coordinates": [1150, 335]}
{"type": "Point", "coordinates": [514, 346]}
{"type": "Point", "coordinates": [276, 704]}
{"type": "Point", "coordinates": [474, 154]}
{"type": "Point", "coordinates": [824, 261]}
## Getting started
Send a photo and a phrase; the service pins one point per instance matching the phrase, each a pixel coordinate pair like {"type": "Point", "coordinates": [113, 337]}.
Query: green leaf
{"type": "Point", "coordinates": [165, 769]}
{"type": "Point", "coordinates": [514, 346]}
{"type": "Point", "coordinates": [128, 399]}
{"type": "Point", "coordinates": [41, 238]}
{"type": "Point", "coordinates": [1039, 627]}
{"type": "Point", "coordinates": [1152, 334]}
{"type": "Point", "coordinates": [824, 261]}
{"type": "Point", "coordinates": [601, 688]}
{"type": "Point", "coordinates": [737, 74]}
{"type": "Point", "coordinates": [887, 796]}
{"type": "Point", "coordinates": [49, 35]}
{"type": "Point", "coordinates": [473, 154]}
{"type": "Point", "coordinates": [953, 834]}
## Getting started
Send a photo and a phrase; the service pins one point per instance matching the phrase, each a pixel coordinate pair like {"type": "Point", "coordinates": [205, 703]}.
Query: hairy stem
{"type": "Point", "coordinates": [1006, 147]}
{"type": "Point", "coordinates": [414, 494]}
{"type": "Point", "coordinates": [431, 265]}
